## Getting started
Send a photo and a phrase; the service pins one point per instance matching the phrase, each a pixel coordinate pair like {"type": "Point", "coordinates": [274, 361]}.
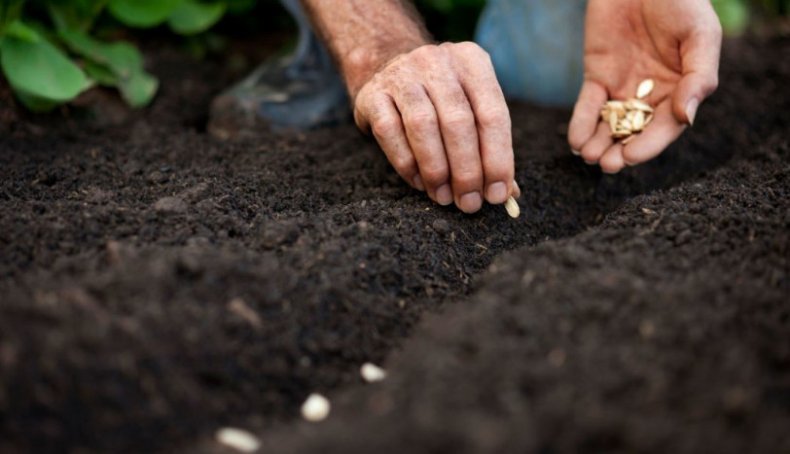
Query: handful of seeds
{"type": "Point", "coordinates": [628, 118]}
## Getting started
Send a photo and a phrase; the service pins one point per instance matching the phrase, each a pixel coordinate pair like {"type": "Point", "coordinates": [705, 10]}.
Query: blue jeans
{"type": "Point", "coordinates": [537, 47]}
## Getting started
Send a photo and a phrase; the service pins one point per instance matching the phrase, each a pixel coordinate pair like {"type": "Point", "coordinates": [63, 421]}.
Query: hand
{"type": "Point", "coordinates": [674, 42]}
{"type": "Point", "coordinates": [440, 117]}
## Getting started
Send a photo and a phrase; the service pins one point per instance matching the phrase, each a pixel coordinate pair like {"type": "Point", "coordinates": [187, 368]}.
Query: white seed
{"type": "Point", "coordinates": [613, 121]}
{"type": "Point", "coordinates": [645, 88]}
{"type": "Point", "coordinates": [315, 408]}
{"type": "Point", "coordinates": [512, 208]}
{"type": "Point", "coordinates": [238, 439]}
{"type": "Point", "coordinates": [626, 125]}
{"type": "Point", "coordinates": [621, 134]}
{"type": "Point", "coordinates": [635, 104]}
{"type": "Point", "coordinates": [638, 122]}
{"type": "Point", "coordinates": [372, 373]}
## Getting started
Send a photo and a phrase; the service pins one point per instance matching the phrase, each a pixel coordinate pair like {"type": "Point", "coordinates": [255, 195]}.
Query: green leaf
{"type": "Point", "coordinates": [100, 73]}
{"type": "Point", "coordinates": [121, 57]}
{"type": "Point", "coordinates": [75, 14]}
{"type": "Point", "coordinates": [239, 6]}
{"type": "Point", "coordinates": [23, 32]}
{"type": "Point", "coordinates": [41, 70]}
{"type": "Point", "coordinates": [139, 89]}
{"type": "Point", "coordinates": [733, 14]}
{"type": "Point", "coordinates": [116, 64]}
{"type": "Point", "coordinates": [10, 10]}
{"type": "Point", "coordinates": [194, 17]}
{"type": "Point", "coordinates": [35, 103]}
{"type": "Point", "coordinates": [142, 13]}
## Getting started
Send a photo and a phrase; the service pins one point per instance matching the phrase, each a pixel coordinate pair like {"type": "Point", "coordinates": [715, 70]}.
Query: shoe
{"type": "Point", "coordinates": [299, 92]}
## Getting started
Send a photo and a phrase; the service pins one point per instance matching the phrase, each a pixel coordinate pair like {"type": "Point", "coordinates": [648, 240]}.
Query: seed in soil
{"type": "Point", "coordinates": [512, 208]}
{"type": "Point", "coordinates": [238, 439]}
{"type": "Point", "coordinates": [628, 118]}
{"type": "Point", "coordinates": [315, 408]}
{"type": "Point", "coordinates": [372, 373]}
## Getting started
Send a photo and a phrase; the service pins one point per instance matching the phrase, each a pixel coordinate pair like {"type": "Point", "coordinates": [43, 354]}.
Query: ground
{"type": "Point", "coordinates": [157, 285]}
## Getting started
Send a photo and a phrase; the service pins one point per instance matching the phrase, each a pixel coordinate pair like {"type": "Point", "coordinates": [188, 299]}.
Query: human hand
{"type": "Point", "coordinates": [674, 42]}
{"type": "Point", "coordinates": [440, 117]}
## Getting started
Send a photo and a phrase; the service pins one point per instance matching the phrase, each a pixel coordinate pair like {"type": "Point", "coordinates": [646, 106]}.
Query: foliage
{"type": "Point", "coordinates": [51, 58]}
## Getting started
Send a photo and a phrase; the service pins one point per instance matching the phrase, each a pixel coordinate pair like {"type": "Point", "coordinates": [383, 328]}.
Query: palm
{"type": "Point", "coordinates": [674, 42]}
{"type": "Point", "coordinates": [623, 47]}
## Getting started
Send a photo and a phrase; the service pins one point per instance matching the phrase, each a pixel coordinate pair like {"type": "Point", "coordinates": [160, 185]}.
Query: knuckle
{"type": "Point", "coordinates": [403, 164]}
{"type": "Point", "coordinates": [469, 47]}
{"type": "Point", "coordinates": [433, 173]}
{"type": "Point", "coordinates": [493, 117]}
{"type": "Point", "coordinates": [467, 178]}
{"type": "Point", "coordinates": [427, 52]}
{"type": "Point", "coordinates": [459, 120]}
{"type": "Point", "coordinates": [420, 122]}
{"type": "Point", "coordinates": [385, 126]}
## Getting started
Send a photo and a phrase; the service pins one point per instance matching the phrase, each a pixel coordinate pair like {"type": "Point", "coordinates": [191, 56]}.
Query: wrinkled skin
{"type": "Point", "coordinates": [441, 118]}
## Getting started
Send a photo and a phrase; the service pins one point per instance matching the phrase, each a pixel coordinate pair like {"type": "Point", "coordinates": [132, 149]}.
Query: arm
{"type": "Point", "coordinates": [436, 110]}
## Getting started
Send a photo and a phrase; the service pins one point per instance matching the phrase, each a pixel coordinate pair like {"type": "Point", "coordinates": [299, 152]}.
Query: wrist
{"type": "Point", "coordinates": [360, 64]}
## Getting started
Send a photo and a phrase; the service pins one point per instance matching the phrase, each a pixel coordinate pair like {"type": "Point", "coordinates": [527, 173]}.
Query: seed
{"type": "Point", "coordinates": [512, 208]}
{"type": "Point", "coordinates": [625, 124]}
{"type": "Point", "coordinates": [645, 88]}
{"type": "Point", "coordinates": [621, 134]}
{"type": "Point", "coordinates": [638, 122]}
{"type": "Point", "coordinates": [613, 120]}
{"type": "Point", "coordinates": [315, 408]}
{"type": "Point", "coordinates": [635, 104]}
{"type": "Point", "coordinates": [238, 439]}
{"type": "Point", "coordinates": [372, 373]}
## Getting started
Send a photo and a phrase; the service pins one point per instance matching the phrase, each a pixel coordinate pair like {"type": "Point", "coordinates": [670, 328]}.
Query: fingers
{"type": "Point", "coordinates": [661, 132]}
{"type": "Point", "coordinates": [586, 115]}
{"type": "Point", "coordinates": [385, 123]}
{"type": "Point", "coordinates": [700, 62]}
{"type": "Point", "coordinates": [441, 119]}
{"type": "Point", "coordinates": [592, 151]}
{"type": "Point", "coordinates": [459, 134]}
{"type": "Point", "coordinates": [492, 121]}
{"type": "Point", "coordinates": [421, 124]}
{"type": "Point", "coordinates": [612, 160]}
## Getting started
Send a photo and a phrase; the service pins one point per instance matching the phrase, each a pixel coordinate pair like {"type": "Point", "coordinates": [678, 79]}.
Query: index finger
{"type": "Point", "coordinates": [493, 125]}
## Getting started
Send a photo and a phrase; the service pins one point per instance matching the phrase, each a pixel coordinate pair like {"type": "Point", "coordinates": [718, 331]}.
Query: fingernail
{"type": "Point", "coordinates": [417, 180]}
{"type": "Point", "coordinates": [691, 110]}
{"type": "Point", "coordinates": [470, 202]}
{"type": "Point", "coordinates": [497, 192]}
{"type": "Point", "coordinates": [516, 189]}
{"type": "Point", "coordinates": [575, 152]}
{"type": "Point", "coordinates": [444, 195]}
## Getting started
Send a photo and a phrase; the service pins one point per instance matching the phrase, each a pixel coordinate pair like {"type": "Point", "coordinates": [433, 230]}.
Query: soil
{"type": "Point", "coordinates": [157, 284]}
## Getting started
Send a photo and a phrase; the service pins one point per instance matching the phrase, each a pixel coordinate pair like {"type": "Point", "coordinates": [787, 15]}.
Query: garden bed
{"type": "Point", "coordinates": [158, 284]}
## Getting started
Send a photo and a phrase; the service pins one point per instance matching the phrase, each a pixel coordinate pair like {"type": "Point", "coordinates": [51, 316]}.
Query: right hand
{"type": "Point", "coordinates": [441, 118]}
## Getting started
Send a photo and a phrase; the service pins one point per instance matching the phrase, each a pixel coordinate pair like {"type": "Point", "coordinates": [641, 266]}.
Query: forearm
{"type": "Point", "coordinates": [363, 35]}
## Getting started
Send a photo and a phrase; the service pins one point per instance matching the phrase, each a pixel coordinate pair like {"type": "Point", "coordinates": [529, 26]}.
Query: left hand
{"type": "Point", "coordinates": [677, 43]}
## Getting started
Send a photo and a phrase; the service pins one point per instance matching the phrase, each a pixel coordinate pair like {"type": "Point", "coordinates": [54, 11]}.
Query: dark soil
{"type": "Point", "coordinates": [648, 311]}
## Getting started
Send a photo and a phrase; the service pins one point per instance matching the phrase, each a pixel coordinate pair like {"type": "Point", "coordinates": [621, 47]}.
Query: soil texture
{"type": "Point", "coordinates": [157, 284]}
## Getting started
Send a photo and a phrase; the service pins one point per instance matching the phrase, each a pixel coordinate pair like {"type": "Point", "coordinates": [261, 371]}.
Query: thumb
{"type": "Point", "coordinates": [700, 61]}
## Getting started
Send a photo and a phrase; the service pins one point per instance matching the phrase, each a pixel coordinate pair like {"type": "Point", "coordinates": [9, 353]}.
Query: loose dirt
{"type": "Point", "coordinates": [157, 285]}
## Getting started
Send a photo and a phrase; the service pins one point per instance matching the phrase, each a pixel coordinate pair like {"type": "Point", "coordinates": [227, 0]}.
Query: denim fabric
{"type": "Point", "coordinates": [536, 47]}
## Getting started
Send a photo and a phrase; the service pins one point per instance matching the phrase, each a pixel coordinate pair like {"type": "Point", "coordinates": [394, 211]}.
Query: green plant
{"type": "Point", "coordinates": [50, 58]}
